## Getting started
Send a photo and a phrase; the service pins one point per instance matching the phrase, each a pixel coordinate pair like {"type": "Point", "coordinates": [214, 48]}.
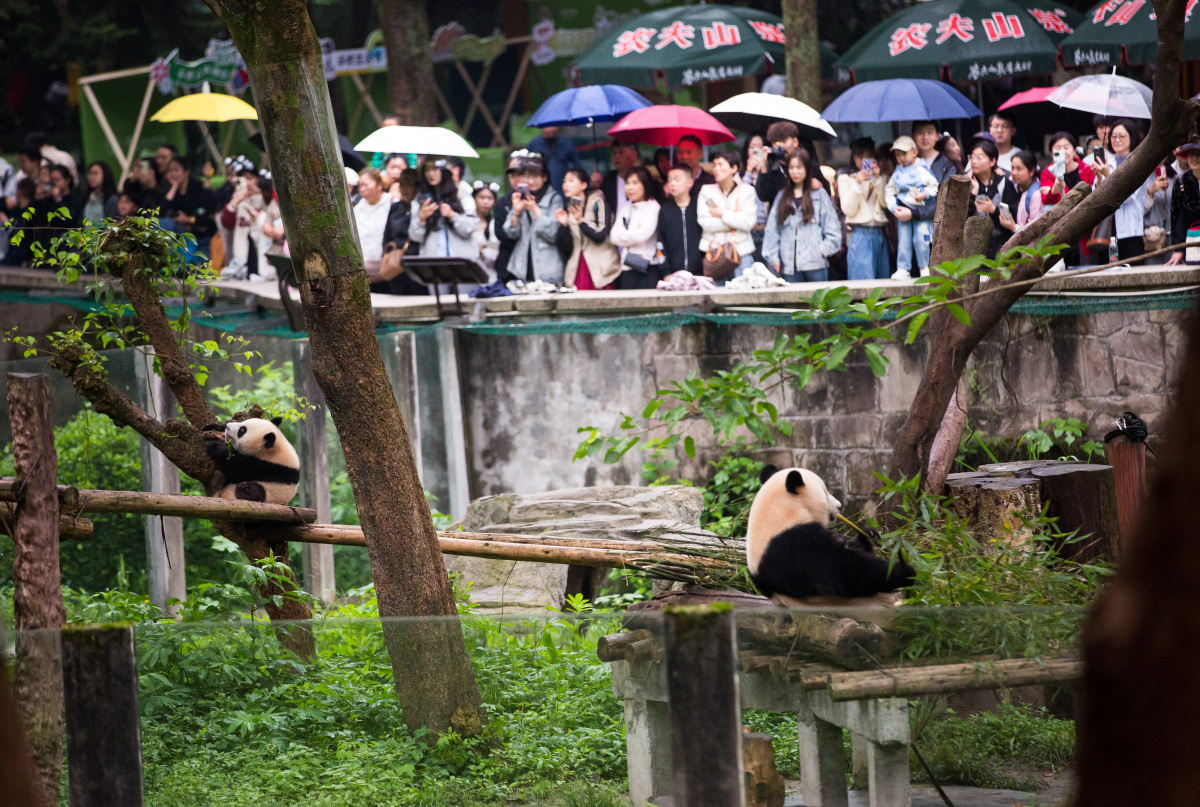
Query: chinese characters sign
{"type": "Point", "coordinates": [679, 34]}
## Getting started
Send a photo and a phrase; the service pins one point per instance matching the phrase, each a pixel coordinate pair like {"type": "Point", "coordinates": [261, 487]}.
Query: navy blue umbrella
{"type": "Point", "coordinates": [579, 105]}
{"type": "Point", "coordinates": [899, 99]}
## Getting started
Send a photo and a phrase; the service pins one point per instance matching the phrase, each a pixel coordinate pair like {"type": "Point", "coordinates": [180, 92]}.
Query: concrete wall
{"type": "Point", "coordinates": [525, 396]}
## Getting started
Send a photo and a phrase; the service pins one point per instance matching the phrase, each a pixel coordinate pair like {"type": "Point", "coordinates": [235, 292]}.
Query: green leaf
{"type": "Point", "coordinates": [914, 328]}
{"type": "Point", "coordinates": [689, 447]}
{"type": "Point", "coordinates": [876, 359]}
{"type": "Point", "coordinates": [651, 408]}
{"type": "Point", "coordinates": [959, 313]}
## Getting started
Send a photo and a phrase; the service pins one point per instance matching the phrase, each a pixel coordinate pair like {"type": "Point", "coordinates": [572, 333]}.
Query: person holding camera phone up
{"type": "Point", "coordinates": [862, 194]}
{"type": "Point", "coordinates": [991, 191]}
{"type": "Point", "coordinates": [533, 225]}
{"type": "Point", "coordinates": [438, 221]}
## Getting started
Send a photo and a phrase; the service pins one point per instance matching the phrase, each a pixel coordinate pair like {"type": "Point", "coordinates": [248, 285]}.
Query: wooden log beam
{"type": "Point", "coordinates": [612, 647]}
{"type": "Point", "coordinates": [169, 504]}
{"type": "Point", "coordinates": [11, 490]}
{"type": "Point", "coordinates": [907, 682]}
{"type": "Point", "coordinates": [69, 529]}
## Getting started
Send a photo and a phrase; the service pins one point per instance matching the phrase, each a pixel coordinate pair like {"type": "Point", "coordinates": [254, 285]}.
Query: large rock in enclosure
{"type": "Point", "coordinates": [613, 513]}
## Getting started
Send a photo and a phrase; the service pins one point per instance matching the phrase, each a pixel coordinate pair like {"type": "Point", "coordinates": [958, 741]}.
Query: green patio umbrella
{"type": "Point", "coordinates": [689, 44]}
{"type": "Point", "coordinates": [960, 40]}
{"type": "Point", "coordinates": [1123, 30]}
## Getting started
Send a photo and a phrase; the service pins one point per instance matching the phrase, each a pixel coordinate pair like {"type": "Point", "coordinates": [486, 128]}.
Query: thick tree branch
{"type": "Point", "coordinates": [137, 271]}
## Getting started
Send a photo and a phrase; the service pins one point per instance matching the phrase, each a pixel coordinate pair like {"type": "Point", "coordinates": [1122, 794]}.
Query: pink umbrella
{"type": "Point", "coordinates": [1033, 96]}
{"type": "Point", "coordinates": [664, 125]}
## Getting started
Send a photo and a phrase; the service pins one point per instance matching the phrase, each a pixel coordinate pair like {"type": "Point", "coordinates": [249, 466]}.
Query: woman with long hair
{"type": "Point", "coordinates": [101, 200]}
{"type": "Point", "coordinates": [803, 229]}
{"type": "Point", "coordinates": [439, 223]}
{"type": "Point", "coordinates": [635, 233]}
{"type": "Point", "coordinates": [594, 262]}
{"type": "Point", "coordinates": [989, 190]}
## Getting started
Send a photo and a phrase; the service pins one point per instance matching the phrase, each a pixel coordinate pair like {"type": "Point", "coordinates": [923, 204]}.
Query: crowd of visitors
{"type": "Point", "coordinates": [671, 222]}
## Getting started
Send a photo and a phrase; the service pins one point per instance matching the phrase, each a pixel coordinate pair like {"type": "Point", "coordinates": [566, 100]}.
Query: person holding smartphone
{"type": "Point", "coordinates": [990, 190]}
{"type": "Point", "coordinates": [1185, 200]}
{"type": "Point", "coordinates": [533, 224]}
{"type": "Point", "coordinates": [592, 262]}
{"type": "Point", "coordinates": [862, 194]}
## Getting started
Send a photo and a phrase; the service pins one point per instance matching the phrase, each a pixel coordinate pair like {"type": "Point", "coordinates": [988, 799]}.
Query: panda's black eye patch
{"type": "Point", "coordinates": [242, 431]}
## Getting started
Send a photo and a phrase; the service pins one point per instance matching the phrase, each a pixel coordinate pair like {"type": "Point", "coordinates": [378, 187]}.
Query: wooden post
{"type": "Point", "coordinates": [1128, 459]}
{"type": "Point", "coordinates": [764, 783]}
{"type": "Point", "coordinates": [705, 706]}
{"type": "Point", "coordinates": [37, 583]}
{"type": "Point", "coordinates": [165, 567]}
{"type": "Point", "coordinates": [452, 419]}
{"type": "Point", "coordinates": [313, 449]}
{"type": "Point", "coordinates": [1083, 498]}
{"type": "Point", "coordinates": [104, 743]}
{"type": "Point", "coordinates": [399, 351]}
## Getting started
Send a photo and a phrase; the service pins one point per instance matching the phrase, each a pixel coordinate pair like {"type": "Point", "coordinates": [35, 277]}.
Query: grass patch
{"type": "Point", "coordinates": [1006, 748]}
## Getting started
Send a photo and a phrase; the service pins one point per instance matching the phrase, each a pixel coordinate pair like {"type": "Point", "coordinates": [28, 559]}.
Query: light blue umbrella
{"type": "Point", "coordinates": [897, 99]}
{"type": "Point", "coordinates": [579, 105]}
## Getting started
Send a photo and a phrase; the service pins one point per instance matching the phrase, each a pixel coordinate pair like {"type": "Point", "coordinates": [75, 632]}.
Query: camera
{"type": "Point", "coordinates": [776, 155]}
{"type": "Point", "coordinates": [523, 189]}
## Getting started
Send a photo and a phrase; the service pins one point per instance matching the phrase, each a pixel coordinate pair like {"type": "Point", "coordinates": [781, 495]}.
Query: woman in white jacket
{"type": "Point", "coordinates": [728, 210]}
{"type": "Point", "coordinates": [635, 232]}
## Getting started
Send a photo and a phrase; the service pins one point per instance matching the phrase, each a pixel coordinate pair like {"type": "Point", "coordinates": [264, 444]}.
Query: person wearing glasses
{"type": "Point", "coordinates": [1128, 221]}
{"type": "Point", "coordinates": [1002, 128]}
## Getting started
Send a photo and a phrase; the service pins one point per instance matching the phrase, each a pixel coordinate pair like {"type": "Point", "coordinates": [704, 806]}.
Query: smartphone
{"type": "Point", "coordinates": [1160, 171]}
{"type": "Point", "coordinates": [1004, 211]}
{"type": "Point", "coordinates": [241, 183]}
{"type": "Point", "coordinates": [1098, 154]}
{"type": "Point", "coordinates": [757, 153]}
{"type": "Point", "coordinates": [523, 189]}
{"type": "Point", "coordinates": [868, 164]}
{"type": "Point", "coordinates": [575, 201]}
{"type": "Point", "coordinates": [424, 197]}
{"type": "Point", "coordinates": [980, 199]}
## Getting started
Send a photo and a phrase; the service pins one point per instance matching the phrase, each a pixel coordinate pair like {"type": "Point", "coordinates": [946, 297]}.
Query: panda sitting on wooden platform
{"type": "Point", "coordinates": [795, 560]}
{"type": "Point", "coordinates": [255, 461]}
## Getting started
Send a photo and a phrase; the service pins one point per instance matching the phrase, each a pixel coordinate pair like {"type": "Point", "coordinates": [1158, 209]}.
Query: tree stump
{"type": "Point", "coordinates": [1083, 498]}
{"type": "Point", "coordinates": [996, 507]}
{"type": "Point", "coordinates": [764, 784]}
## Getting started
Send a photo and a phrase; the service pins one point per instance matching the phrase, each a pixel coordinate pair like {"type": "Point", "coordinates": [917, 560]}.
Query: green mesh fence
{"type": "Point", "coordinates": [275, 325]}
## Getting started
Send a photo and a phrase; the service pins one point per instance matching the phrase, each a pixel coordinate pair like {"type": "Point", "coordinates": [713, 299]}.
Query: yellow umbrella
{"type": "Point", "coordinates": [205, 106]}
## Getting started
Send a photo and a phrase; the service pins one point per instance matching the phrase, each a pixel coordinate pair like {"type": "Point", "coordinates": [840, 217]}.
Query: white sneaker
{"type": "Point", "coordinates": [901, 274]}
{"type": "Point", "coordinates": [925, 272]}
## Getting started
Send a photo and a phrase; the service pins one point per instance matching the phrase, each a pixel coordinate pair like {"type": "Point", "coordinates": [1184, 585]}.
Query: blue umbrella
{"type": "Point", "coordinates": [579, 105]}
{"type": "Point", "coordinates": [899, 99]}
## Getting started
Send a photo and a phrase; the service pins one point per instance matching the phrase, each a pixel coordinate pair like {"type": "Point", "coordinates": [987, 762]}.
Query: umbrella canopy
{"type": "Point", "coordinates": [1036, 95]}
{"type": "Point", "coordinates": [966, 39]}
{"type": "Point", "coordinates": [1111, 95]}
{"type": "Point", "coordinates": [417, 140]}
{"type": "Point", "coordinates": [205, 106]}
{"type": "Point", "coordinates": [899, 99]}
{"type": "Point", "coordinates": [752, 111]}
{"type": "Point", "coordinates": [689, 44]}
{"type": "Point", "coordinates": [664, 125]}
{"type": "Point", "coordinates": [579, 105]}
{"type": "Point", "coordinates": [1113, 31]}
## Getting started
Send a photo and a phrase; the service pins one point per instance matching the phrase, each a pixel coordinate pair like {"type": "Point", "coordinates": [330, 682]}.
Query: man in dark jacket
{"type": "Point", "coordinates": [785, 134]}
{"type": "Point", "coordinates": [678, 228]}
{"type": "Point", "coordinates": [501, 213]}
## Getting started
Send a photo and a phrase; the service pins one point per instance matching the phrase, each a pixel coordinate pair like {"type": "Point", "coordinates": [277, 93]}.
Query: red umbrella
{"type": "Point", "coordinates": [1033, 96]}
{"type": "Point", "coordinates": [664, 125]}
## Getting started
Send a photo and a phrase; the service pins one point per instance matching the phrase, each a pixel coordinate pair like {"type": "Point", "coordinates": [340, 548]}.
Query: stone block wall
{"type": "Point", "coordinates": [525, 396]}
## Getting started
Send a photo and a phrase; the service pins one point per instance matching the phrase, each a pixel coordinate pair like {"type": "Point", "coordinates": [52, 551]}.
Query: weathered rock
{"type": "Point", "coordinates": [620, 513]}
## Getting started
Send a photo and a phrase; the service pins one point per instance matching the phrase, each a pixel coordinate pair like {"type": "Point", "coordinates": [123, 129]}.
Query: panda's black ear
{"type": "Point", "coordinates": [278, 421]}
{"type": "Point", "coordinates": [269, 440]}
{"type": "Point", "coordinates": [795, 481]}
{"type": "Point", "coordinates": [766, 473]}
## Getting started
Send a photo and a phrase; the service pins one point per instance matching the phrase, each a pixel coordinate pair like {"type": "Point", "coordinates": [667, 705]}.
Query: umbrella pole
{"type": "Point", "coordinates": [979, 92]}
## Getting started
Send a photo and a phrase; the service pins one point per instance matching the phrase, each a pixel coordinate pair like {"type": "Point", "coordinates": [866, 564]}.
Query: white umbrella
{"type": "Point", "coordinates": [1104, 94]}
{"type": "Point", "coordinates": [751, 110]}
{"type": "Point", "coordinates": [417, 140]}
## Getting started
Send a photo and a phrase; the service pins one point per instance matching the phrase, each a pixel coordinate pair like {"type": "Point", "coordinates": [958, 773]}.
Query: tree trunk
{"type": "Point", "coordinates": [802, 51]}
{"type": "Point", "coordinates": [37, 594]}
{"type": "Point", "coordinates": [406, 38]}
{"type": "Point", "coordinates": [433, 674]}
{"type": "Point", "coordinates": [950, 347]}
{"type": "Point", "coordinates": [1141, 706]}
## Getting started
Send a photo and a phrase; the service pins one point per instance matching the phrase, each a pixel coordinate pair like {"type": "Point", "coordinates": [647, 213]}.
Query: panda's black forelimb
{"type": "Point", "coordinates": [214, 427]}
{"type": "Point", "coordinates": [810, 561]}
{"type": "Point", "coordinates": [218, 451]}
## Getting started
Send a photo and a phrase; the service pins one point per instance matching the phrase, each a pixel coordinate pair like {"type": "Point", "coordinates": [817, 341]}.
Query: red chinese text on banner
{"type": "Point", "coordinates": [914, 36]}
{"type": "Point", "coordinates": [633, 42]}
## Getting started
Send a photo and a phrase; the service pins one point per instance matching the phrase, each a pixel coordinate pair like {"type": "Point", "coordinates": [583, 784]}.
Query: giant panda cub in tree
{"type": "Point", "coordinates": [794, 559]}
{"type": "Point", "coordinates": [255, 460]}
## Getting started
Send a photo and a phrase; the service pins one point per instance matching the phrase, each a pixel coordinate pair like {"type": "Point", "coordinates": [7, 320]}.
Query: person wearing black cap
{"type": "Point", "coordinates": [1185, 200]}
